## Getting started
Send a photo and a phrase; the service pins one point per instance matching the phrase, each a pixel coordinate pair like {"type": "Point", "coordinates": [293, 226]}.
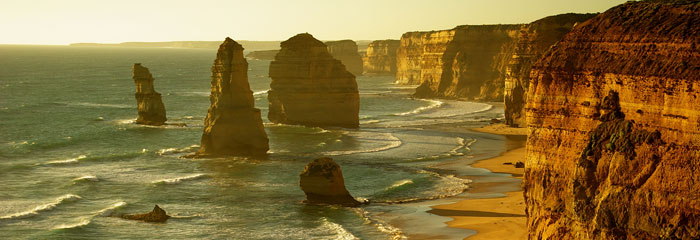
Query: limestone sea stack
{"type": "Point", "coordinates": [346, 52]}
{"type": "Point", "coordinates": [381, 57]}
{"type": "Point", "coordinates": [309, 87]}
{"type": "Point", "coordinates": [322, 181]}
{"type": "Point", "coordinates": [150, 105]}
{"type": "Point", "coordinates": [614, 127]}
{"type": "Point", "coordinates": [156, 215]}
{"type": "Point", "coordinates": [232, 126]}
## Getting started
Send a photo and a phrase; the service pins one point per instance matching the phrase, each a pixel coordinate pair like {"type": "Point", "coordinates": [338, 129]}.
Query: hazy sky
{"type": "Point", "coordinates": [110, 21]}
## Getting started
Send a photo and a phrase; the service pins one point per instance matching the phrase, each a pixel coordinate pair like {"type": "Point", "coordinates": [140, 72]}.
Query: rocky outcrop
{"type": "Point", "coordinates": [381, 57]}
{"type": "Point", "coordinates": [614, 127]}
{"type": "Point", "coordinates": [346, 52]}
{"type": "Point", "coordinates": [310, 87]}
{"type": "Point", "coordinates": [150, 105]}
{"type": "Point", "coordinates": [464, 62]}
{"type": "Point", "coordinates": [323, 183]}
{"type": "Point", "coordinates": [233, 125]}
{"type": "Point", "coordinates": [262, 55]}
{"type": "Point", "coordinates": [157, 215]}
{"type": "Point", "coordinates": [533, 40]}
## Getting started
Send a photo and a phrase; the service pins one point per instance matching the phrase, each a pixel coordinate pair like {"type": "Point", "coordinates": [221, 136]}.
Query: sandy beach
{"type": "Point", "coordinates": [492, 218]}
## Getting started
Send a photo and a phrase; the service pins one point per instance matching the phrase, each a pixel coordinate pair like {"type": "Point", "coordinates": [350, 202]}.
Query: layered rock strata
{"type": "Point", "coordinates": [150, 105]}
{"type": "Point", "coordinates": [614, 127]}
{"type": "Point", "coordinates": [346, 52]}
{"type": "Point", "coordinates": [380, 57]}
{"type": "Point", "coordinates": [533, 40]}
{"type": "Point", "coordinates": [262, 55]}
{"type": "Point", "coordinates": [322, 182]}
{"type": "Point", "coordinates": [233, 125]}
{"type": "Point", "coordinates": [310, 87]}
{"type": "Point", "coordinates": [156, 215]}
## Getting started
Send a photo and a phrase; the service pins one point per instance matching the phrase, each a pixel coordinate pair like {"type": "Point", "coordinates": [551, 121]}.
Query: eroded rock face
{"type": "Point", "coordinates": [150, 105]}
{"type": "Point", "coordinates": [157, 215]}
{"type": "Point", "coordinates": [310, 87]}
{"type": "Point", "coordinates": [381, 57]}
{"type": "Point", "coordinates": [614, 127]}
{"type": "Point", "coordinates": [322, 181]}
{"type": "Point", "coordinates": [346, 52]}
{"type": "Point", "coordinates": [233, 125]}
{"type": "Point", "coordinates": [533, 40]}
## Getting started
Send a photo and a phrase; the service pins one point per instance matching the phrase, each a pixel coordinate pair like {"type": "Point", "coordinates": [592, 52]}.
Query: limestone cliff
{"type": "Point", "coordinates": [150, 105]}
{"type": "Point", "coordinates": [346, 52]}
{"type": "Point", "coordinates": [614, 127]}
{"type": "Point", "coordinates": [310, 87]}
{"type": "Point", "coordinates": [380, 57]}
{"type": "Point", "coordinates": [533, 40]}
{"type": "Point", "coordinates": [262, 55]}
{"type": "Point", "coordinates": [233, 125]}
{"type": "Point", "coordinates": [322, 182]}
{"type": "Point", "coordinates": [464, 62]}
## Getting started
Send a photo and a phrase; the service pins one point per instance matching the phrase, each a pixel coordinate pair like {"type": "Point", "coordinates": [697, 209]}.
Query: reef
{"type": "Point", "coordinates": [614, 127]}
{"type": "Point", "coordinates": [310, 87]}
{"type": "Point", "coordinates": [380, 57]}
{"type": "Point", "coordinates": [322, 182]}
{"type": "Point", "coordinates": [233, 125]}
{"type": "Point", "coordinates": [157, 215]}
{"type": "Point", "coordinates": [346, 52]}
{"type": "Point", "coordinates": [150, 105]}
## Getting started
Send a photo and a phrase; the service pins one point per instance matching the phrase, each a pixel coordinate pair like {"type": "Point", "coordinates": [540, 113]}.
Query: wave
{"type": "Point", "coordinates": [399, 184]}
{"type": "Point", "coordinates": [260, 92]}
{"type": "Point", "coordinates": [394, 232]}
{"type": "Point", "coordinates": [106, 212]}
{"type": "Point", "coordinates": [66, 161]}
{"type": "Point", "coordinates": [433, 104]}
{"type": "Point", "coordinates": [340, 232]}
{"type": "Point", "coordinates": [393, 142]}
{"type": "Point", "coordinates": [169, 151]}
{"type": "Point", "coordinates": [90, 178]}
{"type": "Point", "coordinates": [180, 179]}
{"type": "Point", "coordinates": [82, 223]}
{"type": "Point", "coordinates": [44, 207]}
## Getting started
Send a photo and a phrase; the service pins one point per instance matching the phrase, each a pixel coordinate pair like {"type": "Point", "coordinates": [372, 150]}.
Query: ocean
{"type": "Point", "coordinates": [70, 154]}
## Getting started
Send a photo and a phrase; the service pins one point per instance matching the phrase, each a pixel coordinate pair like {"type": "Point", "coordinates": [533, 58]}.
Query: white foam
{"type": "Point", "coordinates": [44, 207]}
{"type": "Point", "coordinates": [340, 232]}
{"type": "Point", "coordinates": [400, 183]}
{"type": "Point", "coordinates": [389, 140]}
{"type": "Point", "coordinates": [433, 104]}
{"type": "Point", "coordinates": [394, 232]}
{"type": "Point", "coordinates": [82, 223]}
{"type": "Point", "coordinates": [106, 212]}
{"type": "Point", "coordinates": [180, 179]}
{"type": "Point", "coordinates": [67, 161]}
{"type": "Point", "coordinates": [260, 92]}
{"type": "Point", "coordinates": [167, 151]}
{"type": "Point", "coordinates": [90, 178]}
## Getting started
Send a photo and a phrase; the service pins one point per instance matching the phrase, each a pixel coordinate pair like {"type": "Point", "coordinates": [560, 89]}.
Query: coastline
{"type": "Point", "coordinates": [492, 217]}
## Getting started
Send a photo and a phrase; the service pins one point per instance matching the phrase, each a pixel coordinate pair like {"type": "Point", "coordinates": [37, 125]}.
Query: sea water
{"type": "Point", "coordinates": [71, 155]}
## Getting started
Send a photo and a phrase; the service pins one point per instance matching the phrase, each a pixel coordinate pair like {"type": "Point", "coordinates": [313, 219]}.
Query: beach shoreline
{"type": "Point", "coordinates": [501, 217]}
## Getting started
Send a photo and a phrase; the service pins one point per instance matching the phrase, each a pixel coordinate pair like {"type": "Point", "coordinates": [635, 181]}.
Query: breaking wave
{"type": "Point", "coordinates": [66, 161]}
{"type": "Point", "coordinates": [180, 179]}
{"type": "Point", "coordinates": [433, 104]}
{"type": "Point", "coordinates": [44, 207]}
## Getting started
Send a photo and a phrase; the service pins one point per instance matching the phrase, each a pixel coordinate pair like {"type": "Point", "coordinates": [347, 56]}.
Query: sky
{"type": "Point", "coordinates": [114, 21]}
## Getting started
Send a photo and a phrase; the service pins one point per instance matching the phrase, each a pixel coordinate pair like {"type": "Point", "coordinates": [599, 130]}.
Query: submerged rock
{"type": "Point", "coordinates": [322, 181]}
{"type": "Point", "coordinates": [310, 87]}
{"type": "Point", "coordinates": [157, 215]}
{"type": "Point", "coordinates": [150, 105]}
{"type": "Point", "coordinates": [232, 126]}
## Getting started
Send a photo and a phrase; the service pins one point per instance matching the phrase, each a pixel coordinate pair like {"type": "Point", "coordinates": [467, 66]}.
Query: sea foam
{"type": "Point", "coordinates": [44, 207]}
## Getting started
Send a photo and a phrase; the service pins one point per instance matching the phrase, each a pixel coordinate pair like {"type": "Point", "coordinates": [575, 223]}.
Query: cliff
{"type": "Point", "coordinates": [262, 55]}
{"type": "Point", "coordinates": [233, 125]}
{"type": "Point", "coordinates": [533, 40]}
{"type": "Point", "coordinates": [464, 62]}
{"type": "Point", "coordinates": [346, 52]}
{"type": "Point", "coordinates": [614, 127]}
{"type": "Point", "coordinates": [322, 182]}
{"type": "Point", "coordinates": [381, 57]}
{"type": "Point", "coordinates": [310, 87]}
{"type": "Point", "coordinates": [150, 105]}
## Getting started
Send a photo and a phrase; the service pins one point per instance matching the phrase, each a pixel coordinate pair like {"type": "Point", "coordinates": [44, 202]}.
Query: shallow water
{"type": "Point", "coordinates": [70, 154]}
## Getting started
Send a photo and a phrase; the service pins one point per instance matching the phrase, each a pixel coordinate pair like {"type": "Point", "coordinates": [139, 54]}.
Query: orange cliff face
{"type": "Point", "coordinates": [614, 127]}
{"type": "Point", "coordinates": [310, 87]}
{"type": "Point", "coordinates": [381, 57]}
{"type": "Point", "coordinates": [346, 52]}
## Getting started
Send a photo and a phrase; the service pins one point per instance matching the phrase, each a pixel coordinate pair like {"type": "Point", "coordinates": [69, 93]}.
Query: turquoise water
{"type": "Point", "coordinates": [70, 154]}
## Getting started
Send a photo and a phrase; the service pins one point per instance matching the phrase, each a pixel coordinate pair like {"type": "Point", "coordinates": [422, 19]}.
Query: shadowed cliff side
{"type": "Point", "coordinates": [322, 182]}
{"type": "Point", "coordinates": [346, 52]}
{"type": "Point", "coordinates": [150, 105]}
{"type": "Point", "coordinates": [233, 125]}
{"type": "Point", "coordinates": [310, 87]}
{"type": "Point", "coordinates": [533, 41]}
{"type": "Point", "coordinates": [614, 127]}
